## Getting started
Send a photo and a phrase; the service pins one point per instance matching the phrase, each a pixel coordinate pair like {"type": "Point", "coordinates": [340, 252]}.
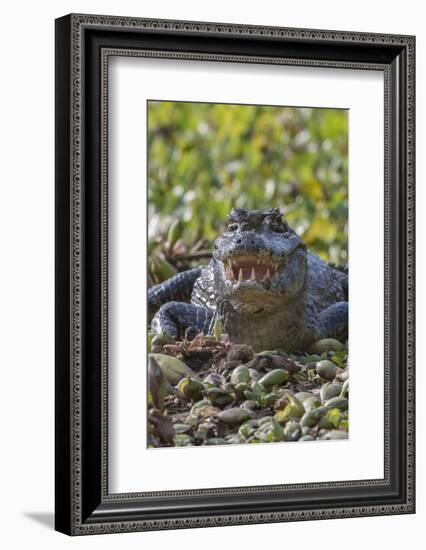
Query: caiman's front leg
{"type": "Point", "coordinates": [334, 321]}
{"type": "Point", "coordinates": [174, 318]}
{"type": "Point", "coordinates": [177, 288]}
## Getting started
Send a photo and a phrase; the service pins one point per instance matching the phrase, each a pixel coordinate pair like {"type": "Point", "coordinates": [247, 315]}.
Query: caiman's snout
{"type": "Point", "coordinates": [250, 240]}
{"type": "Point", "coordinates": [249, 258]}
{"type": "Point", "coordinates": [259, 261]}
{"type": "Point", "coordinates": [247, 242]}
{"type": "Point", "coordinates": [255, 250]}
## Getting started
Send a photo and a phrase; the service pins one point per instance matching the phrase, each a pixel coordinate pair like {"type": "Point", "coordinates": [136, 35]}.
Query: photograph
{"type": "Point", "coordinates": [247, 274]}
{"type": "Point", "coordinates": [212, 266]}
{"type": "Point", "coordinates": [235, 273]}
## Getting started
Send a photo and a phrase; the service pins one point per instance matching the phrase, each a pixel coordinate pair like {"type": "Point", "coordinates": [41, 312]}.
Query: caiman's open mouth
{"type": "Point", "coordinates": [250, 268]}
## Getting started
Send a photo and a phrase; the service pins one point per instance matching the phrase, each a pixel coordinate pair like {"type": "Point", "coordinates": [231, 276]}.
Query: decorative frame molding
{"type": "Point", "coordinates": [83, 504]}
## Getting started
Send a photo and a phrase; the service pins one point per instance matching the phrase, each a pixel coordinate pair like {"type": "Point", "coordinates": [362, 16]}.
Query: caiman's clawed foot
{"type": "Point", "coordinates": [174, 318]}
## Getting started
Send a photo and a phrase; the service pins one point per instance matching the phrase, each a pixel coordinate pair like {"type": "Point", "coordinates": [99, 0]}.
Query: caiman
{"type": "Point", "coordinates": [264, 285]}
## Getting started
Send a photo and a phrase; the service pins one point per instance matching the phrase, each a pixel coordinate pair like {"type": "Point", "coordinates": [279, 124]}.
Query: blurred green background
{"type": "Point", "coordinates": [204, 159]}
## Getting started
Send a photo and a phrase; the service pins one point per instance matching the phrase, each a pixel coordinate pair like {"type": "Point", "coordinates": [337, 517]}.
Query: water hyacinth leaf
{"type": "Point", "coordinates": [174, 369]}
{"type": "Point", "coordinates": [326, 369]}
{"type": "Point", "coordinates": [311, 403]}
{"type": "Point", "coordinates": [159, 340]}
{"type": "Point", "coordinates": [240, 375]}
{"type": "Point", "coordinates": [326, 345]}
{"type": "Point", "coordinates": [298, 408]}
{"type": "Point", "coordinates": [337, 402]}
{"type": "Point", "coordinates": [313, 358]}
{"type": "Point", "coordinates": [334, 416]}
{"type": "Point", "coordinates": [312, 374]}
{"type": "Point", "coordinates": [339, 357]}
{"type": "Point", "coordinates": [273, 377]}
{"type": "Point", "coordinates": [235, 416]}
{"type": "Point", "coordinates": [209, 411]}
{"type": "Point", "coordinates": [248, 428]}
{"type": "Point", "coordinates": [325, 423]}
{"type": "Point", "coordinates": [213, 380]}
{"type": "Point", "coordinates": [329, 390]}
{"type": "Point", "coordinates": [249, 394]}
{"type": "Point", "coordinates": [344, 424]}
{"type": "Point", "coordinates": [292, 431]}
{"type": "Point", "coordinates": [190, 388]}
{"type": "Point", "coordinates": [294, 409]}
{"type": "Point", "coordinates": [311, 418]}
{"type": "Point", "coordinates": [268, 352]}
{"type": "Point", "coordinates": [342, 375]}
{"type": "Point", "coordinates": [299, 377]}
{"type": "Point", "coordinates": [303, 395]}
{"type": "Point", "coordinates": [219, 397]}
{"type": "Point", "coordinates": [257, 389]}
{"type": "Point", "coordinates": [197, 407]}
{"type": "Point", "coordinates": [345, 389]}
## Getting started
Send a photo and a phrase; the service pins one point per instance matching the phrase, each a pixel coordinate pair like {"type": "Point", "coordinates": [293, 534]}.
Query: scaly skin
{"type": "Point", "coordinates": [267, 289]}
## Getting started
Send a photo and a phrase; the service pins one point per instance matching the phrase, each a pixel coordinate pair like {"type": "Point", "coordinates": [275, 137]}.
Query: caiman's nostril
{"type": "Point", "coordinates": [248, 240]}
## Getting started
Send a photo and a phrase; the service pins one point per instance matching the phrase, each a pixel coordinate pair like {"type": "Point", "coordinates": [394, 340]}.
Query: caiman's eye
{"type": "Point", "coordinates": [278, 226]}
{"type": "Point", "coordinates": [232, 227]}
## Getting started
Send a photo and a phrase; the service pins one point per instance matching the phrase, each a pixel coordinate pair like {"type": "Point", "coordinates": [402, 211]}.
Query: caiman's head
{"type": "Point", "coordinates": [260, 262]}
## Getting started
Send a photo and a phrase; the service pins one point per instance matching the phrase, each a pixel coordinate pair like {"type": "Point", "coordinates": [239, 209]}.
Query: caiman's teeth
{"type": "Point", "coordinates": [244, 269]}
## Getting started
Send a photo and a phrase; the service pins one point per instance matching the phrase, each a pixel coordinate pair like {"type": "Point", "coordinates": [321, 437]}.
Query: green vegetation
{"type": "Point", "coordinates": [203, 159]}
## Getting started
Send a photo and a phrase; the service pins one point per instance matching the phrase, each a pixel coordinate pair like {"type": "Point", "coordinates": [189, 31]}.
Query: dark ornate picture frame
{"type": "Point", "coordinates": [84, 44]}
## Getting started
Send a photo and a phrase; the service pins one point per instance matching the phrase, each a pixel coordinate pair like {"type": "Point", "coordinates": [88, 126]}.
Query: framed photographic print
{"type": "Point", "coordinates": [234, 274]}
